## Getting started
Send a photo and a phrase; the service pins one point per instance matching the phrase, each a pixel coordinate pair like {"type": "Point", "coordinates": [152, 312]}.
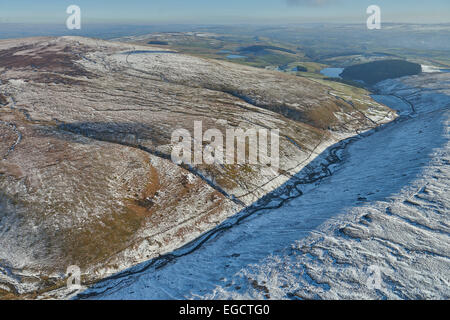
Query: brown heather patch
{"type": "Point", "coordinates": [57, 79]}
{"type": "Point", "coordinates": [3, 100]}
{"type": "Point", "coordinates": [144, 206]}
{"type": "Point", "coordinates": [44, 59]}
{"type": "Point", "coordinates": [99, 241]}
{"type": "Point", "coordinates": [223, 179]}
{"type": "Point", "coordinates": [361, 106]}
{"type": "Point", "coordinates": [6, 295]}
{"type": "Point", "coordinates": [322, 116]}
{"type": "Point", "coordinates": [11, 169]}
{"type": "Point", "coordinates": [116, 231]}
{"type": "Point", "coordinates": [48, 286]}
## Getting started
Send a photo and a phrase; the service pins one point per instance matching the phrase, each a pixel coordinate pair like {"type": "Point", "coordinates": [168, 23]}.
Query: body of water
{"type": "Point", "coordinates": [332, 72]}
{"type": "Point", "coordinates": [235, 56]}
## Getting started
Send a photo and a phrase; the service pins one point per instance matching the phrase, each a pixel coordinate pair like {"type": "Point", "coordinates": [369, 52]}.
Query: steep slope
{"type": "Point", "coordinates": [377, 227]}
{"type": "Point", "coordinates": [86, 177]}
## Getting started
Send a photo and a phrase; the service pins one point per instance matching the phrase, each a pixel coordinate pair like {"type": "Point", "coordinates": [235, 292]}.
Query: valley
{"type": "Point", "coordinates": [86, 177]}
{"type": "Point", "coordinates": [382, 206]}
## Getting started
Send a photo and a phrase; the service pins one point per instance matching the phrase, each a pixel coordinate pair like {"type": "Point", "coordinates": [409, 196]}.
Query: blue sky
{"type": "Point", "coordinates": [223, 12]}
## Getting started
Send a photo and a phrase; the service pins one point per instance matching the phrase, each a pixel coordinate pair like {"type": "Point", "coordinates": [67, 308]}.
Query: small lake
{"type": "Point", "coordinates": [332, 72]}
{"type": "Point", "coordinates": [235, 56]}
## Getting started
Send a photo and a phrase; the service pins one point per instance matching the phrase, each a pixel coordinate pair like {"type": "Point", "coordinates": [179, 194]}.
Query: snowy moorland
{"type": "Point", "coordinates": [375, 227]}
{"type": "Point", "coordinates": [85, 172]}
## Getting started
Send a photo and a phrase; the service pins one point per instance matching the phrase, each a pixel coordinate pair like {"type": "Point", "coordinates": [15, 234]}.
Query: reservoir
{"type": "Point", "coordinates": [332, 72]}
{"type": "Point", "coordinates": [235, 56]}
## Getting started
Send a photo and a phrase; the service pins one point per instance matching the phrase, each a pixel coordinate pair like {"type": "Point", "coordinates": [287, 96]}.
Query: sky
{"type": "Point", "coordinates": [224, 12]}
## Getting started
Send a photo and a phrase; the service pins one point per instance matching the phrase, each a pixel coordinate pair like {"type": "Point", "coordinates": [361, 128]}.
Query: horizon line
{"type": "Point", "coordinates": [222, 24]}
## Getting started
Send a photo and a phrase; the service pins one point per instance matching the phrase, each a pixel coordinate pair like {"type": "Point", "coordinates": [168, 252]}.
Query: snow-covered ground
{"type": "Point", "coordinates": [431, 69]}
{"type": "Point", "coordinates": [98, 189]}
{"type": "Point", "coordinates": [378, 227]}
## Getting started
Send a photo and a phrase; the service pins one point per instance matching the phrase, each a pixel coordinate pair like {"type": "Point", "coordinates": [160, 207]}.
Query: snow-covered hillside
{"type": "Point", "coordinates": [376, 226]}
{"type": "Point", "coordinates": [86, 176]}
